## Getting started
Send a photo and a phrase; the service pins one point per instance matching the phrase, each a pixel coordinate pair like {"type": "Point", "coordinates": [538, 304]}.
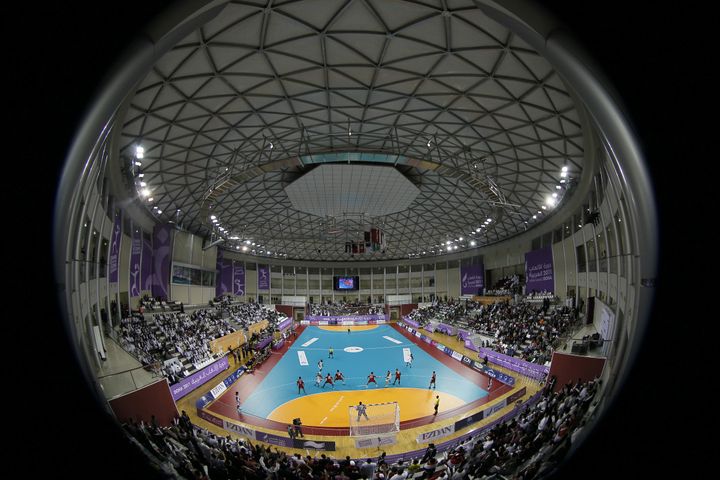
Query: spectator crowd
{"type": "Point", "coordinates": [523, 330]}
{"type": "Point", "coordinates": [524, 447]}
{"type": "Point", "coordinates": [332, 309]}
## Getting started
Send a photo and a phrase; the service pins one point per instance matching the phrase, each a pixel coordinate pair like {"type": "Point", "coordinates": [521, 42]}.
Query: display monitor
{"type": "Point", "coordinates": [347, 283]}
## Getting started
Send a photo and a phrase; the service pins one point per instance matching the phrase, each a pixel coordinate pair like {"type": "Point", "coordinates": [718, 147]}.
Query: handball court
{"type": "Point", "coordinates": [270, 398]}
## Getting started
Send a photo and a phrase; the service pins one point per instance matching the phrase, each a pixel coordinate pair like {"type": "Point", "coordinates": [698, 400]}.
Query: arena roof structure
{"type": "Point", "coordinates": [261, 94]}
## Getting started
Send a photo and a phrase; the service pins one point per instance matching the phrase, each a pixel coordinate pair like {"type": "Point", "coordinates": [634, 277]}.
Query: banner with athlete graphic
{"type": "Point", "coordinates": [115, 249]}
{"type": "Point", "coordinates": [238, 278]}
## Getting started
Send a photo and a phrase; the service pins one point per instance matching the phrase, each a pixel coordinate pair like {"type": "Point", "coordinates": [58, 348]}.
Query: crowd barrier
{"type": "Point", "coordinates": [412, 323]}
{"type": "Point", "coordinates": [343, 318]}
{"type": "Point", "coordinates": [263, 343]}
{"type": "Point", "coordinates": [490, 372]}
{"type": "Point", "coordinates": [343, 321]}
{"type": "Point", "coordinates": [285, 324]}
{"type": "Point", "coordinates": [188, 384]}
{"type": "Point", "coordinates": [528, 369]}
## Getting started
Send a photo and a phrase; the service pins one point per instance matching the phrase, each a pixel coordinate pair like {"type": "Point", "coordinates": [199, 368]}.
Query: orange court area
{"type": "Point", "coordinates": [344, 328]}
{"type": "Point", "coordinates": [330, 409]}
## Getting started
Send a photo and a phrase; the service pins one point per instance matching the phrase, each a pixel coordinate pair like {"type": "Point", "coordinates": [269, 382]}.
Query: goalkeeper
{"type": "Point", "coordinates": [361, 411]}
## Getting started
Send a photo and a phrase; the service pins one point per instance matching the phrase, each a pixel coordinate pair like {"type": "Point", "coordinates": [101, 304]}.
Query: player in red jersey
{"type": "Point", "coordinates": [371, 378]}
{"type": "Point", "coordinates": [339, 377]}
{"type": "Point", "coordinates": [329, 380]}
{"type": "Point", "coordinates": [397, 376]}
{"type": "Point", "coordinates": [301, 385]}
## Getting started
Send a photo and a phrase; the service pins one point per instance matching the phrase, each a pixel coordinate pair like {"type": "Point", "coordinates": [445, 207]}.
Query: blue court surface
{"type": "Point", "coordinates": [375, 353]}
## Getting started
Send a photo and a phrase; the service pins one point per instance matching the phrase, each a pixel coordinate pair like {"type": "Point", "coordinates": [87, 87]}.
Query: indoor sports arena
{"type": "Point", "coordinates": [379, 239]}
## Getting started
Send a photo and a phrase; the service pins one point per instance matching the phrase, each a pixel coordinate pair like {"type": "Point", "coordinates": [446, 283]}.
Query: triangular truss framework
{"type": "Point", "coordinates": [481, 121]}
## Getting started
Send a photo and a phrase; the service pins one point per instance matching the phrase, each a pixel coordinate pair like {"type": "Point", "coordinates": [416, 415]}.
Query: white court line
{"type": "Point", "coordinates": [337, 403]}
{"type": "Point", "coordinates": [310, 342]}
{"type": "Point", "coordinates": [392, 339]}
{"type": "Point", "coordinates": [323, 420]}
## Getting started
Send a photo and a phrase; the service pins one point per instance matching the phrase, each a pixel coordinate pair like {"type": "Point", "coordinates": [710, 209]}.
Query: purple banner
{"type": "Point", "coordinates": [146, 266]}
{"type": "Point", "coordinates": [532, 370]}
{"type": "Point", "coordinates": [463, 334]}
{"type": "Point", "coordinates": [470, 345]}
{"type": "Point", "coordinates": [224, 274]}
{"type": "Point", "coordinates": [353, 318]}
{"type": "Point", "coordinates": [275, 439]}
{"type": "Point", "coordinates": [472, 279]}
{"type": "Point", "coordinates": [115, 249]}
{"type": "Point", "coordinates": [135, 259]}
{"type": "Point", "coordinates": [209, 417]}
{"type": "Point", "coordinates": [238, 278]}
{"type": "Point", "coordinates": [445, 328]}
{"type": "Point", "coordinates": [263, 343]}
{"type": "Point", "coordinates": [278, 345]}
{"type": "Point", "coordinates": [263, 277]}
{"type": "Point", "coordinates": [285, 324]}
{"type": "Point", "coordinates": [188, 384]}
{"type": "Point", "coordinates": [539, 271]}
{"type": "Point", "coordinates": [162, 258]}
{"type": "Point", "coordinates": [411, 322]}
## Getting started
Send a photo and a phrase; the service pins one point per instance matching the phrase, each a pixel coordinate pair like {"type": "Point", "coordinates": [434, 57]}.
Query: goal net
{"type": "Point", "coordinates": [374, 418]}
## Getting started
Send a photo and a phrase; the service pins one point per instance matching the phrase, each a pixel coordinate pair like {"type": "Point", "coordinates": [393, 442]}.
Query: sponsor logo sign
{"type": "Point", "coordinates": [188, 384]}
{"type": "Point", "coordinates": [466, 422]}
{"type": "Point", "coordinates": [239, 429]}
{"type": "Point", "coordinates": [466, 360]}
{"type": "Point", "coordinates": [519, 394]}
{"type": "Point", "coordinates": [275, 439]}
{"type": "Point", "coordinates": [457, 356]}
{"type": "Point", "coordinates": [302, 358]}
{"type": "Point", "coordinates": [218, 390]}
{"type": "Point", "coordinates": [371, 442]}
{"type": "Point", "coordinates": [495, 408]}
{"type": "Point", "coordinates": [435, 434]}
{"type": "Point", "coordinates": [353, 349]}
{"type": "Point", "coordinates": [210, 418]}
{"type": "Point", "coordinates": [315, 445]}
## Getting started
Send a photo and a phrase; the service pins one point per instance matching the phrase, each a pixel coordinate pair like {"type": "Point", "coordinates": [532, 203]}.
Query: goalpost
{"type": "Point", "coordinates": [382, 418]}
